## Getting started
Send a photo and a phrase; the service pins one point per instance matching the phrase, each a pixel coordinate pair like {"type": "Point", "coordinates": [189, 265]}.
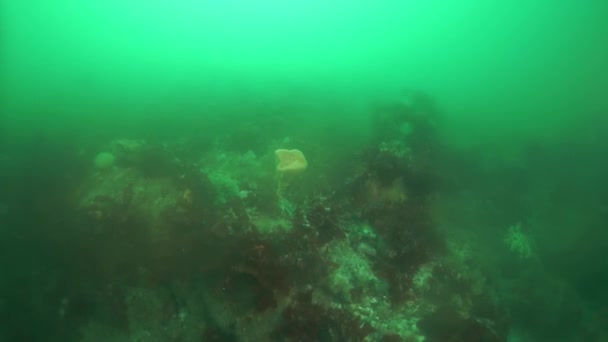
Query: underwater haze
{"type": "Point", "coordinates": [297, 170]}
{"type": "Point", "coordinates": [502, 69]}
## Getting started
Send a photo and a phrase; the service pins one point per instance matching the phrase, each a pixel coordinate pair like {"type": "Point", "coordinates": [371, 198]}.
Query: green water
{"type": "Point", "coordinates": [518, 66]}
{"type": "Point", "coordinates": [518, 140]}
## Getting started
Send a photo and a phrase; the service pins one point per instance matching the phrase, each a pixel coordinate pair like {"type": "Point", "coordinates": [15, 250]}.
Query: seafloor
{"type": "Point", "coordinates": [199, 237]}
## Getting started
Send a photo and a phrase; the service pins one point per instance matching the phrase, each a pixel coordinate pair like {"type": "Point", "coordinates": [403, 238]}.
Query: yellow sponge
{"type": "Point", "coordinates": [289, 164]}
{"type": "Point", "coordinates": [290, 161]}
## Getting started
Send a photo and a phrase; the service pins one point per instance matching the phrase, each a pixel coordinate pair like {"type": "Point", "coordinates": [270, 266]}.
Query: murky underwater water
{"type": "Point", "coordinates": [303, 171]}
